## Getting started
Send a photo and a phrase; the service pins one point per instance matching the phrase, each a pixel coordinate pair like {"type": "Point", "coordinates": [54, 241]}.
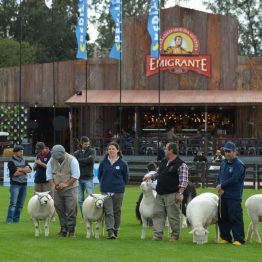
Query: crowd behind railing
{"type": "Point", "coordinates": [150, 146]}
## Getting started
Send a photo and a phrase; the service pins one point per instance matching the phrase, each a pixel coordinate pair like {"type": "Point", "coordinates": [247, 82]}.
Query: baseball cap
{"type": "Point", "coordinates": [18, 148]}
{"type": "Point", "coordinates": [229, 146]}
{"type": "Point", "coordinates": [57, 151]}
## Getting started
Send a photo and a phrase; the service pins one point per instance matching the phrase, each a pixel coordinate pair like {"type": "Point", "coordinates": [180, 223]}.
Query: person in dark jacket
{"type": "Point", "coordinates": [230, 184]}
{"type": "Point", "coordinates": [172, 179]}
{"type": "Point", "coordinates": [18, 169]}
{"type": "Point", "coordinates": [86, 159]}
{"type": "Point", "coordinates": [113, 177]}
{"type": "Point", "coordinates": [42, 158]}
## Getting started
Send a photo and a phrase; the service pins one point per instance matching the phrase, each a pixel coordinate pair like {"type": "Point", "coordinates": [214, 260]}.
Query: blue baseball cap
{"type": "Point", "coordinates": [229, 146]}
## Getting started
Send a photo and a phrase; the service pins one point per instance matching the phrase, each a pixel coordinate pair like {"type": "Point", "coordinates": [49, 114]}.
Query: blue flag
{"type": "Point", "coordinates": [153, 28]}
{"type": "Point", "coordinates": [116, 13]}
{"type": "Point", "coordinates": [81, 30]}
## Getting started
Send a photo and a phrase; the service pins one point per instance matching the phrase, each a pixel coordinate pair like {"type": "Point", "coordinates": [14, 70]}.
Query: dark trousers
{"type": "Point", "coordinates": [65, 205]}
{"type": "Point", "coordinates": [230, 218]}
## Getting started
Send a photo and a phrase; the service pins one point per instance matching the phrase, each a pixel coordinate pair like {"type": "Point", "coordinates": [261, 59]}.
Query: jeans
{"type": "Point", "coordinates": [17, 199]}
{"type": "Point", "coordinates": [84, 185]}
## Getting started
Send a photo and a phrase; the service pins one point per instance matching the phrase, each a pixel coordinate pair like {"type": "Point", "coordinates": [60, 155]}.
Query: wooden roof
{"type": "Point", "coordinates": [167, 97]}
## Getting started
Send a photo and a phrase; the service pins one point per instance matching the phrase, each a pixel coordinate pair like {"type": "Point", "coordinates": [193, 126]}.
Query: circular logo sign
{"type": "Point", "coordinates": [179, 41]}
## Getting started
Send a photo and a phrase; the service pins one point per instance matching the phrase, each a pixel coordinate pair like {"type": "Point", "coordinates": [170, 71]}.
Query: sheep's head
{"type": "Point", "coordinates": [99, 199]}
{"type": "Point", "coordinates": [200, 235]}
{"type": "Point", "coordinates": [146, 186]}
{"type": "Point", "coordinates": [43, 197]}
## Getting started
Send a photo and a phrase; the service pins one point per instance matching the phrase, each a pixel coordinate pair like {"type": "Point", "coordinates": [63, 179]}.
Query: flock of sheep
{"type": "Point", "coordinates": [201, 212]}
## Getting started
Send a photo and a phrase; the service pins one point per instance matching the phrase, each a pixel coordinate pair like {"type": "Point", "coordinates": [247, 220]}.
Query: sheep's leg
{"type": "Point", "coordinates": [97, 229]}
{"type": "Point", "coordinates": [144, 227]}
{"type": "Point", "coordinates": [36, 223]}
{"type": "Point", "coordinates": [206, 236]}
{"type": "Point", "coordinates": [88, 229]}
{"type": "Point", "coordinates": [217, 233]}
{"type": "Point", "coordinates": [184, 223]}
{"type": "Point", "coordinates": [102, 226]}
{"type": "Point", "coordinates": [47, 221]}
{"type": "Point", "coordinates": [255, 230]}
{"type": "Point", "coordinates": [250, 232]}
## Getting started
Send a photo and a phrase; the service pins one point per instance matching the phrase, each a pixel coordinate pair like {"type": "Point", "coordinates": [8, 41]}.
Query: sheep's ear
{"type": "Point", "coordinates": [48, 192]}
{"type": "Point", "coordinates": [192, 231]}
{"type": "Point", "coordinates": [36, 193]}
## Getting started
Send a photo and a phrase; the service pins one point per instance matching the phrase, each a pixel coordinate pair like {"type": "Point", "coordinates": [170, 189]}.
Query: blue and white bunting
{"type": "Point", "coordinates": [116, 13]}
{"type": "Point", "coordinates": [153, 28]}
{"type": "Point", "coordinates": [81, 29]}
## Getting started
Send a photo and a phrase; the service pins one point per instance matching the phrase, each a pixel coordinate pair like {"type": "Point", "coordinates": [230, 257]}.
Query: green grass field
{"type": "Point", "coordinates": [17, 241]}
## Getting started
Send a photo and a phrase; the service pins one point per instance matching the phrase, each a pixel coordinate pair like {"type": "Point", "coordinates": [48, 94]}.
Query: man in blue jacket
{"type": "Point", "coordinates": [230, 184]}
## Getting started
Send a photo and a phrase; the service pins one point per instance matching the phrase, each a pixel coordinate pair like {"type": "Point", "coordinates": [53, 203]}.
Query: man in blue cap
{"type": "Point", "coordinates": [230, 184]}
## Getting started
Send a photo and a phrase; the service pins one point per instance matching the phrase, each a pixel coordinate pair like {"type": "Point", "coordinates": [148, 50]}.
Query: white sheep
{"type": "Point", "coordinates": [201, 212]}
{"type": "Point", "coordinates": [41, 207]}
{"type": "Point", "coordinates": [146, 206]}
{"type": "Point", "coordinates": [93, 212]}
{"type": "Point", "coordinates": [254, 210]}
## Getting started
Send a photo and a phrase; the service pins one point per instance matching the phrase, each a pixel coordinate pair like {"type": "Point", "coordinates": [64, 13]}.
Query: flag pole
{"type": "Point", "coordinates": [20, 68]}
{"type": "Point", "coordinates": [53, 74]}
{"type": "Point", "coordinates": [159, 83]}
{"type": "Point", "coordinates": [120, 74]}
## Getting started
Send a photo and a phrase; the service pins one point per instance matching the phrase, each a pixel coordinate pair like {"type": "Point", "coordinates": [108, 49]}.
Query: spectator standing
{"type": "Point", "coordinates": [86, 159]}
{"type": "Point", "coordinates": [42, 158]}
{"type": "Point", "coordinates": [18, 169]}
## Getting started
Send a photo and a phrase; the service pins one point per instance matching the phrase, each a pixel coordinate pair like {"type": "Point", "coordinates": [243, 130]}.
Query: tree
{"type": "Point", "coordinates": [10, 53]}
{"type": "Point", "coordinates": [8, 17]}
{"type": "Point", "coordinates": [249, 15]}
{"type": "Point", "coordinates": [105, 23]}
{"type": "Point", "coordinates": [51, 30]}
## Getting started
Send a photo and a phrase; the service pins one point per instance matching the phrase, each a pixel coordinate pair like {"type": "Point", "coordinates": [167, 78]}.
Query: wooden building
{"type": "Point", "coordinates": [96, 95]}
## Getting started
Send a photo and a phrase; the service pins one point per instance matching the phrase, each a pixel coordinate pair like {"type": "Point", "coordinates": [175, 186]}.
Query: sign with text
{"type": "Point", "coordinates": [179, 53]}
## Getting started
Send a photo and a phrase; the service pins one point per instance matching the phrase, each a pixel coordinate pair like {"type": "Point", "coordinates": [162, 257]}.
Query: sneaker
{"type": "Point", "coordinates": [237, 243]}
{"type": "Point", "coordinates": [156, 238]}
{"type": "Point", "coordinates": [223, 241]}
{"type": "Point", "coordinates": [111, 234]}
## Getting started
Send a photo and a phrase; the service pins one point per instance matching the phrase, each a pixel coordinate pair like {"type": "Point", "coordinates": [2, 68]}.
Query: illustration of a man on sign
{"type": "Point", "coordinates": [177, 47]}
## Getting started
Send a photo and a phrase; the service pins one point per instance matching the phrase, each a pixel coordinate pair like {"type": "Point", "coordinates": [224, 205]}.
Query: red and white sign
{"type": "Point", "coordinates": [179, 49]}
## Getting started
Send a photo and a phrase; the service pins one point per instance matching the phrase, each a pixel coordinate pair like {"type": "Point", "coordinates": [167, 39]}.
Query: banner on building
{"type": "Point", "coordinates": [81, 29]}
{"type": "Point", "coordinates": [116, 13]}
{"type": "Point", "coordinates": [153, 28]}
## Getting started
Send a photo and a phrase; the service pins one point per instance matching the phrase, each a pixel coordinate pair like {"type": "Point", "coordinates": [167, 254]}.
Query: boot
{"type": "Point", "coordinates": [111, 234]}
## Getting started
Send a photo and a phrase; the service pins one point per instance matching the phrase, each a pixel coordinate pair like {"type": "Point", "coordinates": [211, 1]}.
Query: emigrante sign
{"type": "Point", "coordinates": [179, 49]}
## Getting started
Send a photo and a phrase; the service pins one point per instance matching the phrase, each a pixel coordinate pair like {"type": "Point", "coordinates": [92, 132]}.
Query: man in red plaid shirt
{"type": "Point", "coordinates": [172, 179]}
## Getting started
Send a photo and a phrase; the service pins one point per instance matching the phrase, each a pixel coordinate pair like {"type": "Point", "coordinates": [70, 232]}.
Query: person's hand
{"type": "Point", "coordinates": [38, 162]}
{"type": "Point", "coordinates": [219, 189]}
{"type": "Point", "coordinates": [179, 198]}
{"type": "Point", "coordinates": [61, 186]}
